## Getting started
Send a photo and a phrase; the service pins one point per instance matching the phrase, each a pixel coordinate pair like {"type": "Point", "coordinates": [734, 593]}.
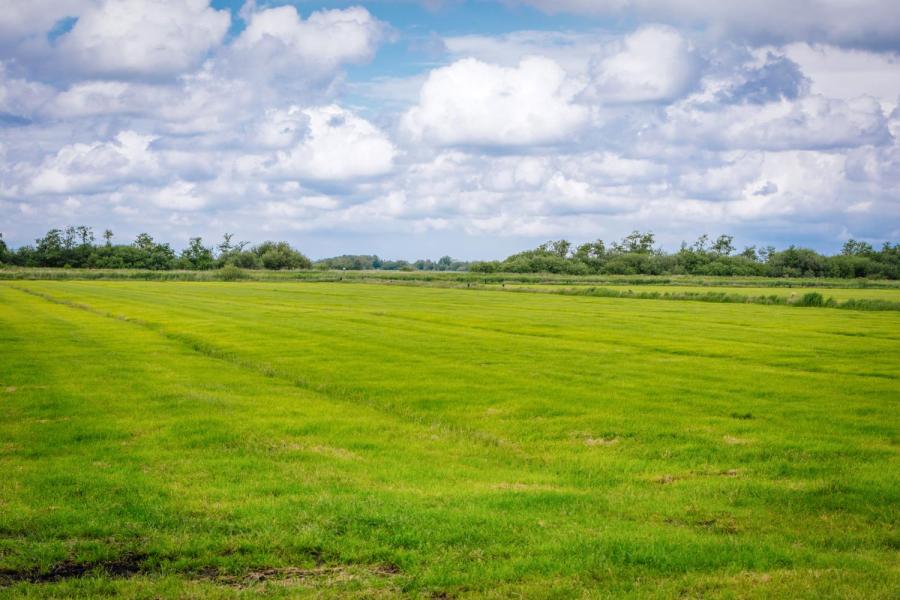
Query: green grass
{"type": "Point", "coordinates": [452, 278]}
{"type": "Point", "coordinates": [188, 439]}
{"type": "Point", "coordinates": [840, 294]}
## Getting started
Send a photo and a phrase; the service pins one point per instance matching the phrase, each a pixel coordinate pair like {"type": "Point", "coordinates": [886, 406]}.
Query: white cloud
{"type": "Point", "coordinates": [179, 196]}
{"type": "Point", "coordinates": [812, 122]}
{"type": "Point", "coordinates": [21, 98]}
{"type": "Point", "coordinates": [652, 64]}
{"type": "Point", "coordinates": [202, 102]}
{"type": "Point", "coordinates": [126, 38]}
{"type": "Point", "coordinates": [472, 102]}
{"type": "Point", "coordinates": [847, 74]}
{"type": "Point", "coordinates": [325, 143]}
{"type": "Point", "coordinates": [527, 134]}
{"type": "Point", "coordinates": [571, 50]}
{"type": "Point", "coordinates": [864, 23]}
{"type": "Point", "coordinates": [92, 168]}
{"type": "Point", "coordinates": [24, 19]}
{"type": "Point", "coordinates": [278, 40]}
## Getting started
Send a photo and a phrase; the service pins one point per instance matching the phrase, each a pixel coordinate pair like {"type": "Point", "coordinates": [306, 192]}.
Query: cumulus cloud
{"type": "Point", "coordinates": [778, 78]}
{"type": "Point", "coordinates": [180, 129]}
{"type": "Point", "coordinates": [279, 41]}
{"type": "Point", "coordinates": [325, 143]}
{"type": "Point", "coordinates": [22, 20]}
{"type": "Point", "coordinates": [180, 196]}
{"type": "Point", "coordinates": [127, 38]}
{"type": "Point", "coordinates": [20, 98]}
{"type": "Point", "coordinates": [95, 167]}
{"type": "Point", "coordinates": [846, 73]}
{"type": "Point", "coordinates": [474, 103]}
{"type": "Point", "coordinates": [810, 123]}
{"type": "Point", "coordinates": [862, 23]}
{"type": "Point", "coordinates": [655, 63]}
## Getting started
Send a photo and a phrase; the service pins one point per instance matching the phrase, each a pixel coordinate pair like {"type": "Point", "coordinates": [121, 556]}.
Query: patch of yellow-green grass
{"type": "Point", "coordinates": [838, 293]}
{"type": "Point", "coordinates": [172, 439]}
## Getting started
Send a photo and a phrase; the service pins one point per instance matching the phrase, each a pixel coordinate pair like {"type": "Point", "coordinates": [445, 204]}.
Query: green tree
{"type": "Point", "coordinates": [50, 250]}
{"type": "Point", "coordinates": [197, 256]}
{"type": "Point", "coordinates": [856, 248]}
{"type": "Point", "coordinates": [280, 255]}
{"type": "Point", "coordinates": [636, 242]}
{"type": "Point", "coordinates": [724, 246]}
{"type": "Point", "coordinates": [144, 241]}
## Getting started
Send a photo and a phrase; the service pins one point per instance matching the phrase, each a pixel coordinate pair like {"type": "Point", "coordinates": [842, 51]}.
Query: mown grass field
{"type": "Point", "coordinates": [211, 439]}
{"type": "Point", "coordinates": [889, 294]}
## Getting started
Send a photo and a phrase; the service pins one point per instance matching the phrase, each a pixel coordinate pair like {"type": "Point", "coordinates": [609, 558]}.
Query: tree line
{"type": "Point", "coordinates": [371, 262]}
{"type": "Point", "coordinates": [75, 247]}
{"type": "Point", "coordinates": [636, 255]}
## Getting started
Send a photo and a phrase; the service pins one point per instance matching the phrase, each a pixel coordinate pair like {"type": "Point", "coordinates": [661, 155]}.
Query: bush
{"type": "Point", "coordinates": [245, 260]}
{"type": "Point", "coordinates": [231, 273]}
{"type": "Point", "coordinates": [811, 299]}
{"type": "Point", "coordinates": [280, 255]}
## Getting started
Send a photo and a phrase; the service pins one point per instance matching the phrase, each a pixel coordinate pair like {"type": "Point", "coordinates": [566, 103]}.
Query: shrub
{"type": "Point", "coordinates": [280, 255]}
{"type": "Point", "coordinates": [811, 299]}
{"type": "Point", "coordinates": [231, 273]}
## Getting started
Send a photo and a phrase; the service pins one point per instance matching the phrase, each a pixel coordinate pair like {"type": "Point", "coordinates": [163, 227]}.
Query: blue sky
{"type": "Point", "coordinates": [477, 129]}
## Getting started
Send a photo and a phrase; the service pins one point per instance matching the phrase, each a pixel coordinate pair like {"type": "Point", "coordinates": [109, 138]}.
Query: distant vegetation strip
{"type": "Point", "coordinates": [805, 300]}
{"type": "Point", "coordinates": [635, 255]}
{"type": "Point", "coordinates": [43, 273]}
{"type": "Point", "coordinates": [580, 286]}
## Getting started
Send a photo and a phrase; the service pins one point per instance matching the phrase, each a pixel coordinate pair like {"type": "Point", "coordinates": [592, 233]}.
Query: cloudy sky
{"type": "Point", "coordinates": [473, 128]}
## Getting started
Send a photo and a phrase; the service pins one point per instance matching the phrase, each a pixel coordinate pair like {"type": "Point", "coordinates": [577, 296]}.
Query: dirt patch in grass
{"type": "Point", "coordinates": [601, 441]}
{"type": "Point", "coordinates": [735, 441]}
{"type": "Point", "coordinates": [126, 565]}
{"type": "Point", "coordinates": [132, 564]}
{"type": "Point", "coordinates": [334, 452]}
{"type": "Point", "coordinates": [322, 576]}
{"type": "Point", "coordinates": [525, 487]}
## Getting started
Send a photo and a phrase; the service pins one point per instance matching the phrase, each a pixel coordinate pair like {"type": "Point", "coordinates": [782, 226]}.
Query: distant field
{"type": "Point", "coordinates": [187, 439]}
{"type": "Point", "coordinates": [839, 293]}
{"type": "Point", "coordinates": [452, 278]}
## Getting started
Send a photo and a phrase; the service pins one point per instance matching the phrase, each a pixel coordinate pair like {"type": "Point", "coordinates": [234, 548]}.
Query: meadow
{"type": "Point", "coordinates": [356, 439]}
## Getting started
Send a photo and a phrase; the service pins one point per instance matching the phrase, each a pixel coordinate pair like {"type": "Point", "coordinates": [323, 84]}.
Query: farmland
{"type": "Point", "coordinates": [186, 438]}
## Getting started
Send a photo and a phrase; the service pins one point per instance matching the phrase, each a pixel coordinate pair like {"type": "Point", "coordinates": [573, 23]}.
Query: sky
{"type": "Point", "coordinates": [414, 129]}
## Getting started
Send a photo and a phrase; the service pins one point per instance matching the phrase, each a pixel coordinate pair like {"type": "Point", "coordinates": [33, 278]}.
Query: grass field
{"type": "Point", "coordinates": [886, 293]}
{"type": "Point", "coordinates": [193, 439]}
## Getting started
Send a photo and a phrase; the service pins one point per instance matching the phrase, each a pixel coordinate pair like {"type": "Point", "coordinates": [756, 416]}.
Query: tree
{"type": "Point", "coordinates": [229, 253]}
{"type": "Point", "coordinates": [444, 263]}
{"type": "Point", "coordinates": [701, 244]}
{"type": "Point", "coordinates": [144, 241]}
{"type": "Point", "coordinates": [724, 246]}
{"type": "Point", "coordinates": [561, 248]}
{"type": "Point", "coordinates": [85, 235]}
{"type": "Point", "coordinates": [49, 250]}
{"type": "Point", "coordinates": [4, 251]}
{"type": "Point", "coordinates": [197, 256]}
{"type": "Point", "coordinates": [558, 248]}
{"type": "Point", "coordinates": [225, 246]}
{"type": "Point", "coordinates": [636, 243]}
{"type": "Point", "coordinates": [765, 253]}
{"type": "Point", "coordinates": [108, 236]}
{"type": "Point", "coordinates": [749, 252]}
{"type": "Point", "coordinates": [856, 248]}
{"type": "Point", "coordinates": [280, 255]}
